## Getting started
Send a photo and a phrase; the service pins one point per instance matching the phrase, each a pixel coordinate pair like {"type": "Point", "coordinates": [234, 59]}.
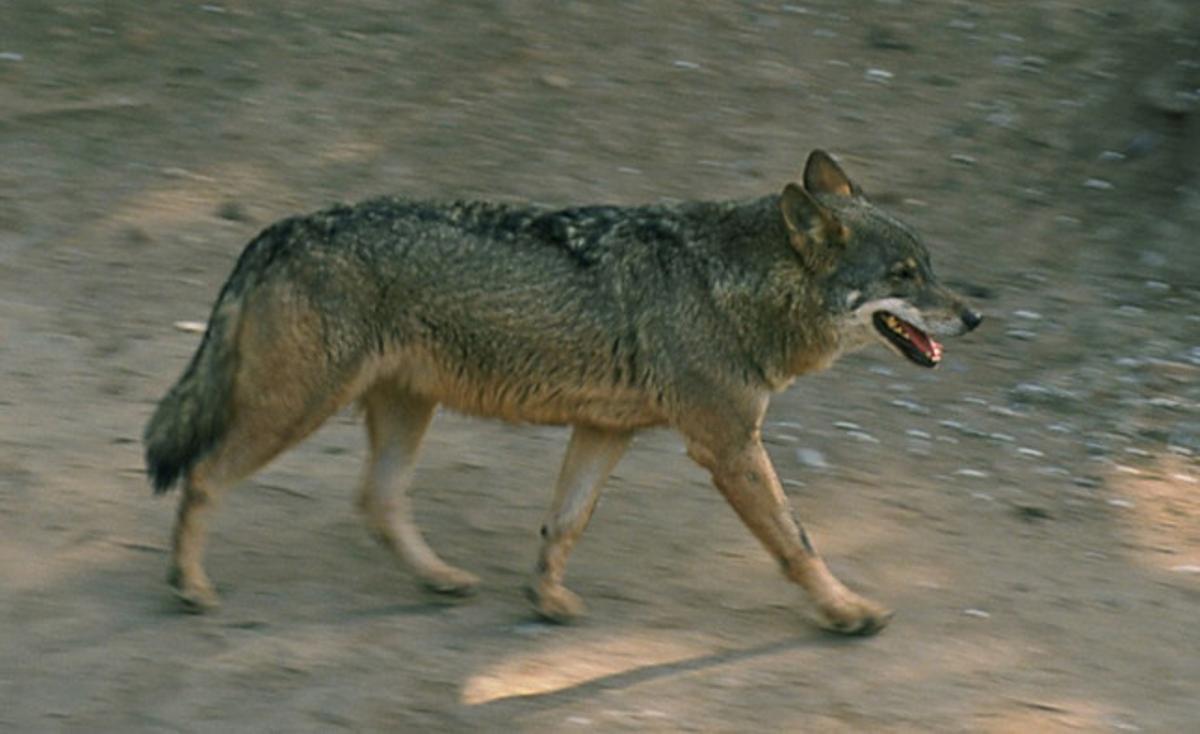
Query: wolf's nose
{"type": "Point", "coordinates": [971, 319]}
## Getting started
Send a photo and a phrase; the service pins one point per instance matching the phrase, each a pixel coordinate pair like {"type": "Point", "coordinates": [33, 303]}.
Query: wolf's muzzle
{"type": "Point", "coordinates": [971, 319]}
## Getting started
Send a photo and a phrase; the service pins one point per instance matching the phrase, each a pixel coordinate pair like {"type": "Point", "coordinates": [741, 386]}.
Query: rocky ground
{"type": "Point", "coordinates": [1032, 510]}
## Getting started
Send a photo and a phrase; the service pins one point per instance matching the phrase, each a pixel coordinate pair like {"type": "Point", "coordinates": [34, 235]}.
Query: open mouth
{"type": "Point", "coordinates": [910, 341]}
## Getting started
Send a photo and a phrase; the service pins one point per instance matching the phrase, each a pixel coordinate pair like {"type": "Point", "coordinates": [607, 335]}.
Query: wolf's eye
{"type": "Point", "coordinates": [904, 271]}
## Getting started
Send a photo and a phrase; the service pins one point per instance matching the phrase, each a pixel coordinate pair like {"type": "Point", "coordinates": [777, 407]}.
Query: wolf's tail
{"type": "Point", "coordinates": [195, 414]}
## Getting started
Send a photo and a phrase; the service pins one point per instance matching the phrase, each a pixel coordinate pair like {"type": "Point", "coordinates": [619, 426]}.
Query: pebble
{"type": "Point", "coordinates": [964, 159]}
{"type": "Point", "coordinates": [1098, 184]}
{"type": "Point", "coordinates": [1002, 437]}
{"type": "Point", "coordinates": [910, 406]}
{"type": "Point", "coordinates": [681, 64]}
{"type": "Point", "coordinates": [557, 81]}
{"type": "Point", "coordinates": [878, 75]}
{"type": "Point", "coordinates": [917, 433]}
{"type": "Point", "coordinates": [1024, 335]}
{"type": "Point", "coordinates": [973, 473]}
{"type": "Point", "coordinates": [781, 438]}
{"type": "Point", "coordinates": [863, 436]}
{"type": "Point", "coordinates": [11, 56]}
{"type": "Point", "coordinates": [1024, 314]}
{"type": "Point", "coordinates": [1024, 451]}
{"type": "Point", "coordinates": [811, 458]}
{"type": "Point", "coordinates": [847, 426]}
{"type": "Point", "coordinates": [1119, 503]}
{"type": "Point", "coordinates": [1111, 156]}
{"type": "Point", "coordinates": [977, 613]}
{"type": "Point", "coordinates": [191, 327]}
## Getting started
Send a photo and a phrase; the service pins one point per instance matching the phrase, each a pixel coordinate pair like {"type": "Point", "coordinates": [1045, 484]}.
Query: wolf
{"type": "Point", "coordinates": [607, 319]}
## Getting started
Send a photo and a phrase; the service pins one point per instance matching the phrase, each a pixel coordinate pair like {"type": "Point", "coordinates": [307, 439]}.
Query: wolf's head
{"type": "Point", "coordinates": [874, 274]}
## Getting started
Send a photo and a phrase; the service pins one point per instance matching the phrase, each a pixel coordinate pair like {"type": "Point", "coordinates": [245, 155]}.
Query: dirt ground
{"type": "Point", "coordinates": [1031, 510]}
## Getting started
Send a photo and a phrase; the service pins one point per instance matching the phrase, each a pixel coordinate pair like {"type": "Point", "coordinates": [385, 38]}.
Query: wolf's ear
{"type": "Point", "coordinates": [812, 227]}
{"type": "Point", "coordinates": [822, 175]}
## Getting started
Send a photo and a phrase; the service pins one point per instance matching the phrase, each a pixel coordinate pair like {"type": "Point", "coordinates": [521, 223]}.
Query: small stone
{"type": "Point", "coordinates": [233, 211]}
{"type": "Point", "coordinates": [1030, 513]}
{"type": "Point", "coordinates": [11, 56]}
{"type": "Point", "coordinates": [1033, 63]}
{"type": "Point", "coordinates": [681, 64]}
{"type": "Point", "coordinates": [878, 75]}
{"type": "Point", "coordinates": [1125, 504]}
{"type": "Point", "coordinates": [1024, 335]}
{"type": "Point", "coordinates": [847, 426]}
{"type": "Point", "coordinates": [1098, 184]}
{"type": "Point", "coordinates": [862, 436]}
{"type": "Point", "coordinates": [1028, 315]}
{"type": "Point", "coordinates": [191, 327]}
{"type": "Point", "coordinates": [811, 458]}
{"type": "Point", "coordinates": [1152, 259]}
{"type": "Point", "coordinates": [1111, 156]}
{"type": "Point", "coordinates": [964, 159]}
{"type": "Point", "coordinates": [556, 81]}
{"type": "Point", "coordinates": [1034, 453]}
{"type": "Point", "coordinates": [977, 613]}
{"type": "Point", "coordinates": [917, 433]}
{"type": "Point", "coordinates": [972, 473]}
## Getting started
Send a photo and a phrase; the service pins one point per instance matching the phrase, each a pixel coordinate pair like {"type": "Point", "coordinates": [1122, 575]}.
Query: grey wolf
{"type": "Point", "coordinates": [607, 319]}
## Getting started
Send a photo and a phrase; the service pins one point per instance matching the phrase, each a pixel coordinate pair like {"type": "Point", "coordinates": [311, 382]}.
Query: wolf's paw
{"type": "Point", "coordinates": [196, 595]}
{"type": "Point", "coordinates": [450, 581]}
{"type": "Point", "coordinates": [852, 614]}
{"type": "Point", "coordinates": [557, 604]}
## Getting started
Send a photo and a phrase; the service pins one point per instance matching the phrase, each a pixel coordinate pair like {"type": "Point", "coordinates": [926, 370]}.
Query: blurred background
{"type": "Point", "coordinates": [1032, 510]}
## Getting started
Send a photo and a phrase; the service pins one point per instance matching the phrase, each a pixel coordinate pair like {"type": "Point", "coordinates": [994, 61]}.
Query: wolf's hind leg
{"type": "Point", "coordinates": [186, 573]}
{"type": "Point", "coordinates": [396, 422]}
{"type": "Point", "coordinates": [248, 446]}
{"type": "Point", "coordinates": [591, 455]}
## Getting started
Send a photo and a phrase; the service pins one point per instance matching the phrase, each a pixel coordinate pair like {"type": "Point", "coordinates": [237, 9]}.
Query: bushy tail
{"type": "Point", "coordinates": [194, 415]}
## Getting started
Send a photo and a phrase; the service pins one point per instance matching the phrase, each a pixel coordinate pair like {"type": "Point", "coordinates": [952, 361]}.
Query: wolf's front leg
{"type": "Point", "coordinates": [747, 479]}
{"type": "Point", "coordinates": [591, 455]}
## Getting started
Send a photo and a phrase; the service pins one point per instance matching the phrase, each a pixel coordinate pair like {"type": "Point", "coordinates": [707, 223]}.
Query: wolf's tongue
{"type": "Point", "coordinates": [919, 338]}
